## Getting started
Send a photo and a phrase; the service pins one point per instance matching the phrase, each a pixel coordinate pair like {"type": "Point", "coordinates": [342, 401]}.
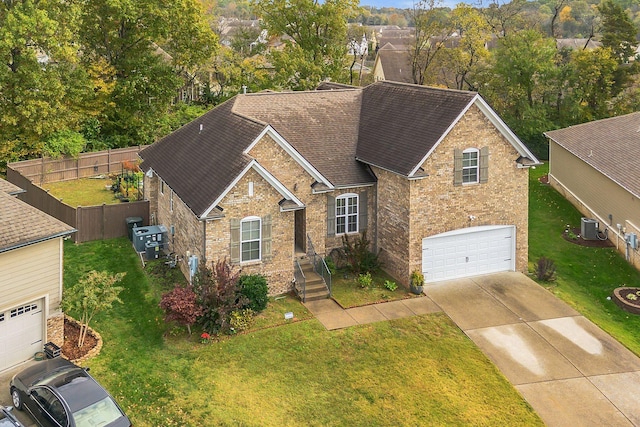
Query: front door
{"type": "Point", "coordinates": [301, 231]}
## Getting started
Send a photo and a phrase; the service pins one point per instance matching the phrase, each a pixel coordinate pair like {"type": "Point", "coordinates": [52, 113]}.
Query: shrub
{"type": "Point", "coordinates": [241, 320]}
{"type": "Point", "coordinates": [181, 306]}
{"type": "Point", "coordinates": [254, 288]}
{"type": "Point", "coordinates": [218, 295]}
{"type": "Point", "coordinates": [390, 285]}
{"type": "Point", "coordinates": [545, 269]}
{"type": "Point", "coordinates": [357, 254]}
{"type": "Point", "coordinates": [365, 280]}
{"type": "Point", "coordinates": [331, 265]}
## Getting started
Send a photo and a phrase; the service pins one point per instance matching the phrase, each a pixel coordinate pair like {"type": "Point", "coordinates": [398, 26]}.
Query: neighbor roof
{"type": "Point", "coordinates": [9, 188]}
{"type": "Point", "coordinates": [611, 146]}
{"type": "Point", "coordinates": [22, 224]}
{"type": "Point", "coordinates": [396, 64]}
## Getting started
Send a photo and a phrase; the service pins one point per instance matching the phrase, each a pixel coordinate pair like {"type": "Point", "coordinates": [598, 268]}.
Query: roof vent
{"type": "Point", "coordinates": [201, 127]}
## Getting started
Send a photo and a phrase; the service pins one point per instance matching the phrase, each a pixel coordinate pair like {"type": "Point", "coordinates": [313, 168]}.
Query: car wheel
{"type": "Point", "coordinates": [17, 400]}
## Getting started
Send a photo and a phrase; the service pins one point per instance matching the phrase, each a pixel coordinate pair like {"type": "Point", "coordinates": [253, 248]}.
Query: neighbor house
{"type": "Point", "coordinates": [594, 166]}
{"type": "Point", "coordinates": [31, 280]}
{"type": "Point", "coordinates": [434, 177]}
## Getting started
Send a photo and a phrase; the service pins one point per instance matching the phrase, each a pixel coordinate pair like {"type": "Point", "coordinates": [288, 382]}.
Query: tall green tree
{"type": "Point", "coordinates": [41, 86]}
{"type": "Point", "coordinates": [315, 39]}
{"type": "Point", "coordinates": [591, 83]}
{"type": "Point", "coordinates": [474, 34]}
{"type": "Point", "coordinates": [618, 31]}
{"type": "Point", "coordinates": [142, 78]}
{"type": "Point", "coordinates": [521, 82]}
{"type": "Point", "coordinates": [431, 31]}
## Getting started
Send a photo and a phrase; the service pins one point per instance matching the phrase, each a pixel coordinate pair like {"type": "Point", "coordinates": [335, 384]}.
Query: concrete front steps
{"type": "Point", "coordinates": [315, 287]}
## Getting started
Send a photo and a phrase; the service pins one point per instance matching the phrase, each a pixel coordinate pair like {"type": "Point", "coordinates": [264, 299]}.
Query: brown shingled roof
{"type": "Point", "coordinates": [339, 132]}
{"type": "Point", "coordinates": [9, 188]}
{"type": "Point", "coordinates": [396, 65]}
{"type": "Point", "coordinates": [611, 146]}
{"type": "Point", "coordinates": [201, 159]}
{"type": "Point", "coordinates": [22, 224]}
{"type": "Point", "coordinates": [321, 125]}
{"type": "Point", "coordinates": [401, 123]}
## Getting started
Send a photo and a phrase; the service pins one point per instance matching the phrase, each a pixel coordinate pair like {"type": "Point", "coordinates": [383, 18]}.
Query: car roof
{"type": "Point", "coordinates": [81, 391]}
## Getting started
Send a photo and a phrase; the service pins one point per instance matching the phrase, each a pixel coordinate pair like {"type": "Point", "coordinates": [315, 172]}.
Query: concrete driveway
{"type": "Point", "coordinates": [569, 370]}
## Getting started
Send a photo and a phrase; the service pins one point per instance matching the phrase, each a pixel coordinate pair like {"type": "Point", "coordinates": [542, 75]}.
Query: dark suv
{"type": "Point", "coordinates": [60, 394]}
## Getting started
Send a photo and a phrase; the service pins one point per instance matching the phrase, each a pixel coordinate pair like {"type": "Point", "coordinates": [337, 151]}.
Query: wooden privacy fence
{"type": "Point", "coordinates": [92, 222]}
{"type": "Point", "coordinates": [45, 169]}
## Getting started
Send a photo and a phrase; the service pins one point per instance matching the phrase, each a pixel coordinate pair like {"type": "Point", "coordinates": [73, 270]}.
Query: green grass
{"type": "Point", "coordinates": [83, 192]}
{"type": "Point", "coordinates": [346, 290]}
{"type": "Point", "coordinates": [416, 371]}
{"type": "Point", "coordinates": [585, 276]}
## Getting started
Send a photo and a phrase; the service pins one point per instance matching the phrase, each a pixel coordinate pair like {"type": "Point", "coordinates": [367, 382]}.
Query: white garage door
{"type": "Point", "coordinates": [468, 252]}
{"type": "Point", "coordinates": [21, 333]}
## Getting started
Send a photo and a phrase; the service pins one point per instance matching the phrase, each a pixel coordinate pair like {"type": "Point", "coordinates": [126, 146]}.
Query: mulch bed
{"type": "Point", "coordinates": [590, 243]}
{"type": "Point", "coordinates": [70, 348]}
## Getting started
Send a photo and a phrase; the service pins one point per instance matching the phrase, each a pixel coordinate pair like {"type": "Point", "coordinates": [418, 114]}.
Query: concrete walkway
{"type": "Point", "coordinates": [569, 370]}
{"type": "Point", "coordinates": [333, 316]}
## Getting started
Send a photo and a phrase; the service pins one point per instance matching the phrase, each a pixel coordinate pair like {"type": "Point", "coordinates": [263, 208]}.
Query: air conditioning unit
{"type": "Point", "coordinates": [589, 228]}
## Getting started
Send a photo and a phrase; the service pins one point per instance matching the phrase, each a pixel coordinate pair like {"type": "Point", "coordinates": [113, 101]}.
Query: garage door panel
{"type": "Point", "coordinates": [21, 333]}
{"type": "Point", "coordinates": [467, 252]}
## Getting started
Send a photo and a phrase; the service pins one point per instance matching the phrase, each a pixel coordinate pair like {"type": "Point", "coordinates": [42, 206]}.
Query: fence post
{"type": "Point", "coordinates": [78, 237]}
{"type": "Point", "coordinates": [42, 170]}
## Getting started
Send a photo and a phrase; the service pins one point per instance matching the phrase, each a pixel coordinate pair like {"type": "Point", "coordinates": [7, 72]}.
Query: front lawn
{"type": "Point", "coordinates": [416, 371]}
{"type": "Point", "coordinates": [585, 276]}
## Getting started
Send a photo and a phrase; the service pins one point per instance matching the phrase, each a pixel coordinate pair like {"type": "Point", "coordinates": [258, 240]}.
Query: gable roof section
{"type": "Point", "coordinates": [320, 125]}
{"type": "Point", "coordinates": [201, 159]}
{"type": "Point", "coordinates": [21, 224]}
{"type": "Point", "coordinates": [610, 146]}
{"type": "Point", "coordinates": [401, 123]}
{"type": "Point", "coordinates": [289, 201]}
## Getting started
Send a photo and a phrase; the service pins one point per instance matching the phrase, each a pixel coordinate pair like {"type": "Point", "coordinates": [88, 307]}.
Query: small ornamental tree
{"type": "Point", "coordinates": [218, 295]}
{"type": "Point", "coordinates": [94, 292]}
{"type": "Point", "coordinates": [181, 305]}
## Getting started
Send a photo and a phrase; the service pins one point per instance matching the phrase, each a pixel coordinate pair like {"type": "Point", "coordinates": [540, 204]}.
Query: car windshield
{"type": "Point", "coordinates": [97, 414]}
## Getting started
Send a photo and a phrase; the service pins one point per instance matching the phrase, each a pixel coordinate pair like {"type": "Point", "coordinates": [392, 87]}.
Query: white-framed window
{"type": "Point", "coordinates": [250, 237]}
{"type": "Point", "coordinates": [470, 166]}
{"type": "Point", "coordinates": [161, 187]}
{"type": "Point", "coordinates": [171, 201]}
{"type": "Point", "coordinates": [347, 213]}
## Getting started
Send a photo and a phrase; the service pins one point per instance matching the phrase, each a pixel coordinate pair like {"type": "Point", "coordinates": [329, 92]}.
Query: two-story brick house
{"type": "Point", "coordinates": [437, 180]}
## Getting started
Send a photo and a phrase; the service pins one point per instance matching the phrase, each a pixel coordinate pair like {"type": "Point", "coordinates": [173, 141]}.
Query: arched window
{"type": "Point", "coordinates": [347, 213]}
{"type": "Point", "coordinates": [250, 230]}
{"type": "Point", "coordinates": [470, 166]}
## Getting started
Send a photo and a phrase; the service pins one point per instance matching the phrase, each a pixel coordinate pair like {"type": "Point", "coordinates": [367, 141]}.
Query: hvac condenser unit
{"type": "Point", "coordinates": [589, 229]}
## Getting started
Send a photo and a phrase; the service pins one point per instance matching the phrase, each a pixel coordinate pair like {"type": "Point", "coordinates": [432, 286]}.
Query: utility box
{"type": "Point", "coordinates": [151, 233]}
{"type": "Point", "coordinates": [589, 229]}
{"type": "Point", "coordinates": [152, 250]}
{"type": "Point", "coordinates": [632, 239]}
